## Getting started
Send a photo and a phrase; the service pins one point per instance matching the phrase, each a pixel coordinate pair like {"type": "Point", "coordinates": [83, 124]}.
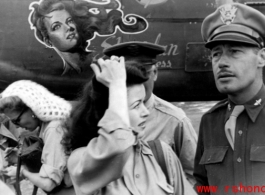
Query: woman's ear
{"type": "Point", "coordinates": [47, 42]}
{"type": "Point", "coordinates": [261, 56]}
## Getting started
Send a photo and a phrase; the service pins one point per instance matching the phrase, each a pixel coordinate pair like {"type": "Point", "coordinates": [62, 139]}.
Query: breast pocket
{"type": "Point", "coordinates": [257, 153]}
{"type": "Point", "coordinates": [257, 158]}
{"type": "Point", "coordinates": [212, 159]}
{"type": "Point", "coordinates": [166, 188]}
{"type": "Point", "coordinates": [213, 155]}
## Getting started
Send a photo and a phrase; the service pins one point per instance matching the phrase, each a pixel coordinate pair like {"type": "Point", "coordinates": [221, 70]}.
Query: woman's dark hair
{"type": "Point", "coordinates": [90, 108]}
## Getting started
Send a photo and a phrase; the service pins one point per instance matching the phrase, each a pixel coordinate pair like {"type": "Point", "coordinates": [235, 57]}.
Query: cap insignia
{"type": "Point", "coordinates": [228, 14]}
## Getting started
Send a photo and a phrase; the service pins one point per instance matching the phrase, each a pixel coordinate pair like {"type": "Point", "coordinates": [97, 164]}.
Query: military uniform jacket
{"type": "Point", "coordinates": [171, 125]}
{"type": "Point", "coordinates": [216, 164]}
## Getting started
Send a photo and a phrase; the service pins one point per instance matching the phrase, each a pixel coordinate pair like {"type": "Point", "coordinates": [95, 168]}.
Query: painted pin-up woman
{"type": "Point", "coordinates": [68, 26]}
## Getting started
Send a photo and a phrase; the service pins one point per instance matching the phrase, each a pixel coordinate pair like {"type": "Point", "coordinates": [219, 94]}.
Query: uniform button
{"type": "Point", "coordinates": [137, 175]}
{"type": "Point", "coordinates": [240, 132]}
{"type": "Point", "coordinates": [239, 159]}
{"type": "Point", "coordinates": [209, 159]}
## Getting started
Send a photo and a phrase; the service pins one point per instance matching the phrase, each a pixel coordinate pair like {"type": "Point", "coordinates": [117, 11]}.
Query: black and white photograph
{"type": "Point", "coordinates": [132, 97]}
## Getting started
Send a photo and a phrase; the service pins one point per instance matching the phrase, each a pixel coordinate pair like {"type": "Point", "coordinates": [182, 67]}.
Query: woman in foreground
{"type": "Point", "coordinates": [105, 132]}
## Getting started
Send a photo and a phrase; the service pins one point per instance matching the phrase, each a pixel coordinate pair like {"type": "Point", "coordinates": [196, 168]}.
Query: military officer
{"type": "Point", "coordinates": [230, 156]}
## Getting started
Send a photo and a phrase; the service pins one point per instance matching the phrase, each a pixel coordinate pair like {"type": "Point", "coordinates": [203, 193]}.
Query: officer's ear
{"type": "Point", "coordinates": [261, 58]}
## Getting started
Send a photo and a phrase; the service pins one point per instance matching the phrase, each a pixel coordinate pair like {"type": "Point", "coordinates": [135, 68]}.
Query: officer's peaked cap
{"type": "Point", "coordinates": [234, 22]}
{"type": "Point", "coordinates": [136, 50]}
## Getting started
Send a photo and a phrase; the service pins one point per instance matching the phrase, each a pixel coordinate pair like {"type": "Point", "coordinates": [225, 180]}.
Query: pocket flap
{"type": "Point", "coordinates": [213, 155]}
{"type": "Point", "coordinates": [257, 153]}
{"type": "Point", "coordinates": [166, 187]}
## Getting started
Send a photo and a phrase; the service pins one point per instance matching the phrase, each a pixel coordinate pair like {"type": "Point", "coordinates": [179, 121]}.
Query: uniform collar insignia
{"type": "Point", "coordinates": [228, 14]}
{"type": "Point", "coordinates": [258, 102]}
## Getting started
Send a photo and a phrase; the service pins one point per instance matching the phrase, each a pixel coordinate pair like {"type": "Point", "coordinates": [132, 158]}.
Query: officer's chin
{"type": "Point", "coordinates": [225, 89]}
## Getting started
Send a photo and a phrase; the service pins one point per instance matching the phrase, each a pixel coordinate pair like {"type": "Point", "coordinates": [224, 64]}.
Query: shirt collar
{"type": "Point", "coordinates": [150, 103]}
{"type": "Point", "coordinates": [252, 107]}
{"type": "Point", "coordinates": [143, 147]}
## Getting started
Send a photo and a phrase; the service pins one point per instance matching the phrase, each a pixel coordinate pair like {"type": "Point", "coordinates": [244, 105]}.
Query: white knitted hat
{"type": "Point", "coordinates": [45, 105]}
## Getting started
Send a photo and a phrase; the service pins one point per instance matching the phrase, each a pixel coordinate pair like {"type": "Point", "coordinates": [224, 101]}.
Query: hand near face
{"type": "Point", "coordinates": [110, 71]}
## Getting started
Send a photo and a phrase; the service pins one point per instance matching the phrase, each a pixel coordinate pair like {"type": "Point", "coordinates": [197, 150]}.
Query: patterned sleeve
{"type": "Point", "coordinates": [53, 156]}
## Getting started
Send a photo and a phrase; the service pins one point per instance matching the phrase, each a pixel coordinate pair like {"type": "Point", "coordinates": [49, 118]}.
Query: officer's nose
{"type": "Point", "coordinates": [223, 62]}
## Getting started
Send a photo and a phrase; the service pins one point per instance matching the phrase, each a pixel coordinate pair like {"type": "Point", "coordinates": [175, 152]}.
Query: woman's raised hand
{"type": "Point", "coordinates": [110, 71]}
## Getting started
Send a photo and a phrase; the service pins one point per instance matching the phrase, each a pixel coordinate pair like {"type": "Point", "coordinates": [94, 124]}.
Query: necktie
{"type": "Point", "coordinates": [230, 124]}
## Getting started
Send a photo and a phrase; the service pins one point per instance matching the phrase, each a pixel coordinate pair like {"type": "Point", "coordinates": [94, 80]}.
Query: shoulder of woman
{"type": "Point", "coordinates": [52, 124]}
{"type": "Point", "coordinates": [52, 127]}
{"type": "Point", "coordinates": [74, 158]}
